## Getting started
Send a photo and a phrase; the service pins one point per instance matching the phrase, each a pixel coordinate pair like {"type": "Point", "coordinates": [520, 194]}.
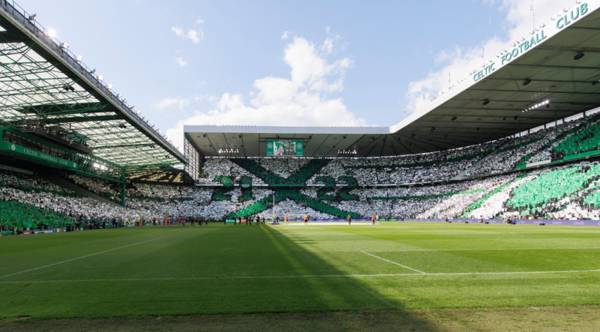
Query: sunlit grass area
{"type": "Point", "coordinates": [238, 269]}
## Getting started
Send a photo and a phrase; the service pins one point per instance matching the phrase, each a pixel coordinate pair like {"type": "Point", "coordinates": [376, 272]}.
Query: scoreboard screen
{"type": "Point", "coordinates": [285, 148]}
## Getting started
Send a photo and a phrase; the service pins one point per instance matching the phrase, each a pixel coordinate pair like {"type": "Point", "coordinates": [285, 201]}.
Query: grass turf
{"type": "Point", "coordinates": [227, 269]}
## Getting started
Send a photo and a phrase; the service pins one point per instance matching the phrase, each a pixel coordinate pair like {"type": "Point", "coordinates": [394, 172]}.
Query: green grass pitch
{"type": "Point", "coordinates": [238, 269]}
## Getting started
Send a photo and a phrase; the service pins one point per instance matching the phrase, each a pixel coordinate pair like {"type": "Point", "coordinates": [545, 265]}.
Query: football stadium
{"type": "Point", "coordinates": [480, 211]}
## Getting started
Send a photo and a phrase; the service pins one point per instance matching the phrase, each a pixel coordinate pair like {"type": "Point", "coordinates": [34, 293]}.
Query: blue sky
{"type": "Point", "coordinates": [283, 62]}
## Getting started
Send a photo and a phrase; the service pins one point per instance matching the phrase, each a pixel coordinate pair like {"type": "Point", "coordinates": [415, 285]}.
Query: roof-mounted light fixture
{"type": "Point", "coordinates": [347, 152]}
{"type": "Point", "coordinates": [537, 106]}
{"type": "Point", "coordinates": [228, 150]}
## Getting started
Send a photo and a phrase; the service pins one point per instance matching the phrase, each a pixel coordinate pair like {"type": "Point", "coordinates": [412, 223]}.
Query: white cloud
{"type": "Point", "coordinates": [332, 41]}
{"type": "Point", "coordinates": [175, 103]}
{"type": "Point", "coordinates": [183, 103]}
{"type": "Point", "coordinates": [458, 63]}
{"type": "Point", "coordinates": [181, 62]}
{"type": "Point", "coordinates": [178, 31]}
{"type": "Point", "coordinates": [305, 98]}
{"type": "Point", "coordinates": [193, 35]}
{"type": "Point", "coordinates": [327, 46]}
{"type": "Point", "coordinates": [285, 35]}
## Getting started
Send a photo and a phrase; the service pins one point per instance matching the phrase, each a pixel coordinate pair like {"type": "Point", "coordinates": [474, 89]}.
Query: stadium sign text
{"type": "Point", "coordinates": [525, 45]}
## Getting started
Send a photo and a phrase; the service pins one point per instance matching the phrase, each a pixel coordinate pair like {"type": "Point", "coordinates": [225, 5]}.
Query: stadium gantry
{"type": "Point", "coordinates": [57, 112]}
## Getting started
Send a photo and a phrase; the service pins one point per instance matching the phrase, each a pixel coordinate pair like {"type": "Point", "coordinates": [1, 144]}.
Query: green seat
{"type": "Point", "coordinates": [25, 216]}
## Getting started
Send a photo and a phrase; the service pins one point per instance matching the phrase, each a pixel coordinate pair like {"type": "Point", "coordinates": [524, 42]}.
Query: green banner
{"type": "Point", "coordinates": [36, 156]}
{"type": "Point", "coordinates": [285, 148]}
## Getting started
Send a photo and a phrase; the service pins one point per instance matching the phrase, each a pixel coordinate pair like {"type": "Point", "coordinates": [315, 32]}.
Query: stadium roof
{"type": "Point", "coordinates": [251, 141]}
{"type": "Point", "coordinates": [550, 74]}
{"type": "Point", "coordinates": [163, 174]}
{"type": "Point", "coordinates": [42, 82]}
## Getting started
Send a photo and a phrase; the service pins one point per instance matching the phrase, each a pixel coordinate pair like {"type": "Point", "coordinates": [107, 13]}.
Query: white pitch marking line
{"type": "Point", "coordinates": [392, 262]}
{"type": "Point", "coordinates": [300, 276]}
{"type": "Point", "coordinates": [493, 273]}
{"type": "Point", "coordinates": [75, 259]}
{"type": "Point", "coordinates": [491, 249]}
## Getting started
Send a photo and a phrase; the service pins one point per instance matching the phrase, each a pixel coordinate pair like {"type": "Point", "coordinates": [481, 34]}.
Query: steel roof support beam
{"type": "Point", "coordinates": [110, 138]}
{"type": "Point", "coordinates": [568, 49]}
{"type": "Point", "coordinates": [549, 92]}
{"type": "Point", "coordinates": [489, 109]}
{"type": "Point", "coordinates": [584, 28]}
{"type": "Point", "coordinates": [560, 67]}
{"type": "Point", "coordinates": [123, 146]}
{"type": "Point", "coordinates": [7, 38]}
{"type": "Point", "coordinates": [65, 109]}
{"type": "Point", "coordinates": [524, 101]}
{"type": "Point", "coordinates": [533, 80]}
{"type": "Point", "coordinates": [81, 119]}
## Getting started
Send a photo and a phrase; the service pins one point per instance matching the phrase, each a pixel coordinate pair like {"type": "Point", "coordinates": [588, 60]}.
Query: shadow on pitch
{"type": "Point", "coordinates": [218, 269]}
{"type": "Point", "coordinates": [326, 288]}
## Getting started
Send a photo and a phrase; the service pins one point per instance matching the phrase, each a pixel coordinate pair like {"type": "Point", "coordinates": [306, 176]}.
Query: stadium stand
{"type": "Point", "coordinates": [82, 158]}
{"type": "Point", "coordinates": [16, 216]}
{"type": "Point", "coordinates": [585, 140]}
{"type": "Point", "coordinates": [472, 183]}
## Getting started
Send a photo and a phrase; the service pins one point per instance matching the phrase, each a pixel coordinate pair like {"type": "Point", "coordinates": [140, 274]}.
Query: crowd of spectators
{"type": "Point", "coordinates": [159, 192]}
{"type": "Point", "coordinates": [476, 182]}
{"type": "Point", "coordinates": [294, 212]}
{"type": "Point", "coordinates": [197, 202]}
{"type": "Point", "coordinates": [283, 167]}
{"type": "Point", "coordinates": [486, 198]}
{"type": "Point", "coordinates": [102, 188]}
{"type": "Point", "coordinates": [490, 158]}
{"type": "Point", "coordinates": [216, 167]}
{"type": "Point", "coordinates": [87, 212]}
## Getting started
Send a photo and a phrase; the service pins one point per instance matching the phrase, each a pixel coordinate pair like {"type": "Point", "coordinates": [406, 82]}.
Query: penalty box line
{"type": "Point", "coordinates": [75, 259]}
{"type": "Point", "coordinates": [406, 267]}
